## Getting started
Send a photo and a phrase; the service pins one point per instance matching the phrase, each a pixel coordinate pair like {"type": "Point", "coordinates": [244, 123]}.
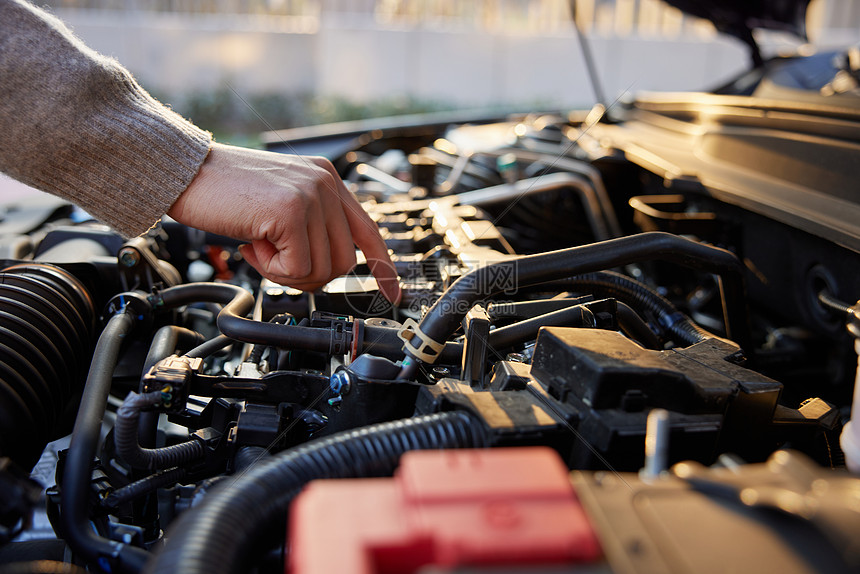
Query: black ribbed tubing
{"type": "Point", "coordinates": [248, 456]}
{"type": "Point", "coordinates": [75, 493]}
{"type": "Point", "coordinates": [446, 314]}
{"type": "Point", "coordinates": [128, 448]}
{"type": "Point", "coordinates": [47, 323]}
{"type": "Point", "coordinates": [680, 328]}
{"type": "Point", "coordinates": [231, 321]}
{"type": "Point", "coordinates": [144, 486]}
{"type": "Point", "coordinates": [216, 536]}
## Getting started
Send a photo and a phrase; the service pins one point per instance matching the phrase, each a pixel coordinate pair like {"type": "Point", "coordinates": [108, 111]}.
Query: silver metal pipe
{"type": "Point", "coordinates": [656, 444]}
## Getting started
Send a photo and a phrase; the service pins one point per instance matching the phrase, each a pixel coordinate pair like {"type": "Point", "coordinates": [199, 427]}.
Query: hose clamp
{"type": "Point", "coordinates": [427, 350]}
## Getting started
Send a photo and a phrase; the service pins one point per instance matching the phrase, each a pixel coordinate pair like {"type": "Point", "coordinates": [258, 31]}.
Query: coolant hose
{"type": "Point", "coordinates": [232, 322]}
{"type": "Point", "coordinates": [446, 314]}
{"type": "Point", "coordinates": [128, 448]}
{"type": "Point", "coordinates": [75, 493]}
{"type": "Point", "coordinates": [643, 299]}
{"type": "Point", "coordinates": [216, 536]}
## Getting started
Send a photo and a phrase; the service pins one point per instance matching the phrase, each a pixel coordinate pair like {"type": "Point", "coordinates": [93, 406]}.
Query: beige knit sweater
{"type": "Point", "coordinates": [76, 124]}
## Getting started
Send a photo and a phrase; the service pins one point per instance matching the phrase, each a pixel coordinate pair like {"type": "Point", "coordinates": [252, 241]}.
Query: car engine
{"type": "Point", "coordinates": [638, 322]}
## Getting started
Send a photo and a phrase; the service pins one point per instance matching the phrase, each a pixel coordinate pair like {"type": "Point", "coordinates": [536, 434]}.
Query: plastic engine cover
{"type": "Point", "coordinates": [443, 509]}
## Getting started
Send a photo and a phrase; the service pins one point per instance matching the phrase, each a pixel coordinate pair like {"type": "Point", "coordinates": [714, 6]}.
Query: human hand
{"type": "Point", "coordinates": [300, 221]}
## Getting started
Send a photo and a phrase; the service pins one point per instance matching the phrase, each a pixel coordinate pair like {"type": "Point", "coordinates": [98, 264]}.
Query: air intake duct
{"type": "Point", "coordinates": [47, 322]}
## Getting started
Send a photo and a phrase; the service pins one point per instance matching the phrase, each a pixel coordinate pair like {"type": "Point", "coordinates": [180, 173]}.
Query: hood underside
{"type": "Point", "coordinates": [739, 17]}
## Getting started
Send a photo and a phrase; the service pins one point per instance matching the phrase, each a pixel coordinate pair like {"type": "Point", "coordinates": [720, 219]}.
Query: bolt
{"type": "Point", "coordinates": [128, 257]}
{"type": "Point", "coordinates": [516, 358]}
{"type": "Point", "coordinates": [854, 320]}
{"type": "Point", "coordinates": [274, 292]}
{"type": "Point", "coordinates": [340, 383]}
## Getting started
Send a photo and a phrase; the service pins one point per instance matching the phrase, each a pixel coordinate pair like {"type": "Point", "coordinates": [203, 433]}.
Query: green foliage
{"type": "Point", "coordinates": [239, 118]}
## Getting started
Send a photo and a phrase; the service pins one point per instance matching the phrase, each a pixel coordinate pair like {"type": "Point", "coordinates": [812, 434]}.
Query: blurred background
{"type": "Point", "coordinates": [240, 67]}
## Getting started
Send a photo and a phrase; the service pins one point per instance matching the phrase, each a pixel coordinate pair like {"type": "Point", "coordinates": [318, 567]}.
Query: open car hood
{"type": "Point", "coordinates": [740, 17]}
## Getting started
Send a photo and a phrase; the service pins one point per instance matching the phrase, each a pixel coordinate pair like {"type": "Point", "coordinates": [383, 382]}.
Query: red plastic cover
{"type": "Point", "coordinates": [443, 509]}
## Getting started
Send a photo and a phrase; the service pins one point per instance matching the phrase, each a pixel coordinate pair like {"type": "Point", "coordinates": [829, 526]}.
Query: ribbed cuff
{"type": "Point", "coordinates": [131, 160]}
{"type": "Point", "coordinates": [76, 124]}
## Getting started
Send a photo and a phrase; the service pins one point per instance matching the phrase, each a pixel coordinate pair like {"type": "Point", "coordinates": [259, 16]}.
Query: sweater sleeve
{"type": "Point", "coordinates": [76, 124]}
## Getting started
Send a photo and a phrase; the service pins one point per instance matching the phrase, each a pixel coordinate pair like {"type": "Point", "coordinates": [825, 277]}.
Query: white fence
{"type": "Point", "coordinates": [466, 53]}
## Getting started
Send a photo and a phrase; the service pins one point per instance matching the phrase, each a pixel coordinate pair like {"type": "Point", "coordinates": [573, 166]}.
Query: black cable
{"type": "Point", "coordinates": [143, 486]}
{"type": "Point", "coordinates": [75, 493]}
{"type": "Point", "coordinates": [644, 300]}
{"type": "Point", "coordinates": [128, 448]}
{"type": "Point", "coordinates": [218, 535]}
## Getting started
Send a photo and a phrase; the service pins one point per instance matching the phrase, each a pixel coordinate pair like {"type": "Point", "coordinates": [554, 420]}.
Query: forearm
{"type": "Point", "coordinates": [76, 124]}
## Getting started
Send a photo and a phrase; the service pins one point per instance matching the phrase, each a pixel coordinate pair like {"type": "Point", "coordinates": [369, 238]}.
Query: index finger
{"type": "Point", "coordinates": [365, 233]}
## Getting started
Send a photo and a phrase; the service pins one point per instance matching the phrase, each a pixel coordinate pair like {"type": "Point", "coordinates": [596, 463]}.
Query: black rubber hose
{"type": "Point", "coordinates": [75, 493]}
{"type": "Point", "coordinates": [209, 347]}
{"type": "Point", "coordinates": [217, 536]}
{"type": "Point", "coordinates": [383, 341]}
{"type": "Point", "coordinates": [231, 321]}
{"type": "Point", "coordinates": [256, 354]}
{"type": "Point", "coordinates": [128, 448]}
{"type": "Point", "coordinates": [643, 299]}
{"type": "Point", "coordinates": [576, 316]}
{"type": "Point", "coordinates": [445, 315]}
{"type": "Point", "coordinates": [529, 309]}
{"type": "Point", "coordinates": [143, 486]}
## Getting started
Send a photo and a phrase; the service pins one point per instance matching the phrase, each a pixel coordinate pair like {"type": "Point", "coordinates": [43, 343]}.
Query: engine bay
{"type": "Point", "coordinates": [659, 298]}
